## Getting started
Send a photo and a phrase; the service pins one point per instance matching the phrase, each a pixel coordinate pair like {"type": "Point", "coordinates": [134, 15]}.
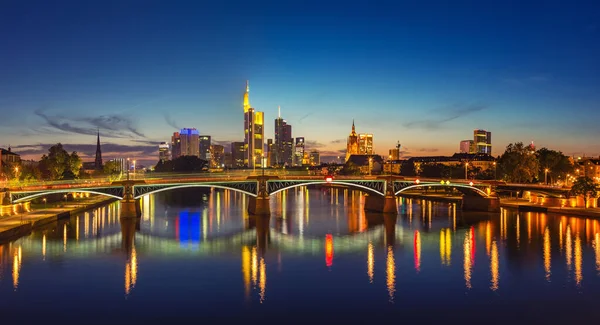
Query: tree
{"type": "Point", "coordinates": [518, 163]}
{"type": "Point", "coordinates": [350, 169]}
{"type": "Point", "coordinates": [558, 165]}
{"type": "Point", "coordinates": [59, 164]}
{"type": "Point", "coordinates": [111, 167]}
{"type": "Point", "coordinates": [408, 168]}
{"type": "Point", "coordinates": [585, 186]}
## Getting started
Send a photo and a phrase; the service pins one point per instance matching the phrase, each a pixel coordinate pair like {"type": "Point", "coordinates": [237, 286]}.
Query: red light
{"type": "Point", "coordinates": [329, 250]}
{"type": "Point", "coordinates": [417, 181]}
{"type": "Point", "coordinates": [329, 179]}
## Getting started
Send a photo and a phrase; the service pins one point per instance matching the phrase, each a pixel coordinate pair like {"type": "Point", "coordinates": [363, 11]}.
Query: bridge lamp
{"type": "Point", "coordinates": [442, 182]}
{"type": "Point", "coordinates": [471, 183]}
{"type": "Point", "coordinates": [417, 181]}
{"type": "Point", "coordinates": [329, 179]}
{"type": "Point", "coordinates": [447, 182]}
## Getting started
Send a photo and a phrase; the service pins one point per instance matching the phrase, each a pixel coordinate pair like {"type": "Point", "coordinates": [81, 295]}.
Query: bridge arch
{"type": "Point", "coordinates": [349, 184]}
{"type": "Point", "coordinates": [157, 189]}
{"type": "Point", "coordinates": [33, 195]}
{"type": "Point", "coordinates": [462, 186]}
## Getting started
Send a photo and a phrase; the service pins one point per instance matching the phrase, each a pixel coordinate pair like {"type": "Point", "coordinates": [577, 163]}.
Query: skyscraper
{"type": "Point", "coordinates": [299, 151]}
{"type": "Point", "coordinates": [253, 132]}
{"type": "Point", "coordinates": [284, 143]}
{"type": "Point", "coordinates": [205, 147]}
{"type": "Point", "coordinates": [217, 154]}
{"type": "Point", "coordinates": [163, 151]}
{"type": "Point", "coordinates": [482, 141]}
{"type": "Point", "coordinates": [98, 161]}
{"type": "Point", "coordinates": [315, 158]}
{"type": "Point", "coordinates": [238, 155]}
{"type": "Point", "coordinates": [269, 152]}
{"type": "Point", "coordinates": [352, 143]}
{"type": "Point", "coordinates": [365, 144]}
{"type": "Point", "coordinates": [185, 143]}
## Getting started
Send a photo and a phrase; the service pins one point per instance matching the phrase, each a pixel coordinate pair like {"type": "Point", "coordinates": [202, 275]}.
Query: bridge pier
{"type": "Point", "coordinates": [260, 205]}
{"type": "Point", "coordinates": [389, 221]}
{"type": "Point", "coordinates": [128, 228]}
{"type": "Point", "coordinates": [386, 204]}
{"type": "Point", "coordinates": [480, 203]}
{"type": "Point", "coordinates": [262, 232]}
{"type": "Point", "coordinates": [5, 198]}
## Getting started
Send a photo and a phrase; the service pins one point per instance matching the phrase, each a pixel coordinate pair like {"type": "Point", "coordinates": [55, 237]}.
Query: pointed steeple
{"type": "Point", "coordinates": [246, 97]}
{"type": "Point", "coordinates": [353, 129]}
{"type": "Point", "coordinates": [98, 161]}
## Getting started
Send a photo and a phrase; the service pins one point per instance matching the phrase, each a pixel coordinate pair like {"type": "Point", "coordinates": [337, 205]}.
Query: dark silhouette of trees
{"type": "Point", "coordinates": [182, 164]}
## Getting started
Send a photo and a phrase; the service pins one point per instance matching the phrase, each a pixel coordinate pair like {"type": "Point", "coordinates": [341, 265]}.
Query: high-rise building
{"type": "Point", "coordinates": [269, 152]}
{"type": "Point", "coordinates": [217, 154]}
{"type": "Point", "coordinates": [482, 141]}
{"type": "Point", "coordinates": [352, 143]}
{"type": "Point", "coordinates": [315, 158]}
{"type": "Point", "coordinates": [175, 146]}
{"type": "Point", "coordinates": [238, 154]}
{"type": "Point", "coordinates": [365, 144]}
{"type": "Point", "coordinates": [467, 146]}
{"type": "Point", "coordinates": [394, 154]}
{"type": "Point", "coordinates": [163, 151]}
{"type": "Point", "coordinates": [284, 142]}
{"type": "Point", "coordinates": [299, 151]}
{"type": "Point", "coordinates": [189, 142]}
{"type": "Point", "coordinates": [204, 142]}
{"type": "Point", "coordinates": [253, 132]}
{"type": "Point", "coordinates": [98, 161]}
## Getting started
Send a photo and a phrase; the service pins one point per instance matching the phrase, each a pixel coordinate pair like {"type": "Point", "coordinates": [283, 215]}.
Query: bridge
{"type": "Point", "coordinates": [382, 190]}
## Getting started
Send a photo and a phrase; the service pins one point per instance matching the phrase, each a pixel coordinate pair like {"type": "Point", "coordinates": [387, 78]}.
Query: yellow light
{"type": "Point", "coordinates": [467, 259]}
{"type": "Point", "coordinates": [391, 273]}
{"type": "Point", "coordinates": [578, 260]}
{"type": "Point", "coordinates": [370, 262]}
{"type": "Point", "coordinates": [494, 266]}
{"type": "Point", "coordinates": [547, 254]}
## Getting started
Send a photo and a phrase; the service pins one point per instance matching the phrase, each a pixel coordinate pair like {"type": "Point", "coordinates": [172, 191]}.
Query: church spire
{"type": "Point", "coordinates": [98, 161]}
{"type": "Point", "coordinates": [353, 129]}
{"type": "Point", "coordinates": [246, 97]}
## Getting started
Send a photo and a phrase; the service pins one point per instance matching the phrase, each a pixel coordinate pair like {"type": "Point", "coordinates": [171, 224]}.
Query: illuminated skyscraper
{"type": "Point", "coordinates": [352, 143]}
{"type": "Point", "coordinates": [253, 132]}
{"type": "Point", "coordinates": [365, 144]}
{"type": "Point", "coordinates": [205, 147]}
{"type": "Point", "coordinates": [284, 143]}
{"type": "Point", "coordinates": [299, 151]}
{"type": "Point", "coordinates": [482, 141]}
{"type": "Point", "coordinates": [185, 143]}
{"type": "Point", "coordinates": [315, 158]}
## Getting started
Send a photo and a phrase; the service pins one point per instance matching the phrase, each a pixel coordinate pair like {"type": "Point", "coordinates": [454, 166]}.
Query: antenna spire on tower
{"type": "Point", "coordinates": [279, 111]}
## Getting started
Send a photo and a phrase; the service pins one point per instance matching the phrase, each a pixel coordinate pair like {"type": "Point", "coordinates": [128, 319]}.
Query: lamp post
{"type": "Point", "coordinates": [546, 176]}
{"type": "Point", "coordinates": [370, 165]}
{"type": "Point", "coordinates": [44, 199]}
{"type": "Point", "coordinates": [495, 171]}
{"type": "Point", "coordinates": [254, 164]}
{"type": "Point", "coordinates": [65, 196]}
{"type": "Point", "coordinates": [263, 164]}
{"type": "Point", "coordinates": [466, 170]}
{"type": "Point", "coordinates": [567, 179]}
{"type": "Point", "coordinates": [134, 169]}
{"type": "Point", "coordinates": [127, 168]}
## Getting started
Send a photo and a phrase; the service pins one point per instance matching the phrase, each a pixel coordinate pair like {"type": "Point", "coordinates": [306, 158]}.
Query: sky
{"type": "Point", "coordinates": [422, 74]}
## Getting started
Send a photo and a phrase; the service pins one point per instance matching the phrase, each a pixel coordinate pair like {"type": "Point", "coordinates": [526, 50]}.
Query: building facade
{"type": "Point", "coordinates": [163, 152]}
{"type": "Point", "coordinates": [352, 143]}
{"type": "Point", "coordinates": [217, 154]}
{"type": "Point", "coordinates": [365, 144]}
{"type": "Point", "coordinates": [482, 142]}
{"type": "Point", "coordinates": [238, 154]}
{"type": "Point", "coordinates": [299, 151]}
{"type": "Point", "coordinates": [394, 154]}
{"type": "Point", "coordinates": [284, 143]}
{"type": "Point", "coordinates": [315, 158]}
{"type": "Point", "coordinates": [467, 146]}
{"type": "Point", "coordinates": [204, 143]}
{"type": "Point", "coordinates": [254, 132]}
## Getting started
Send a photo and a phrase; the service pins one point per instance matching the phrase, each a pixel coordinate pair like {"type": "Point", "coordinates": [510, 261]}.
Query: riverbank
{"type": "Point", "coordinates": [524, 205]}
{"type": "Point", "coordinates": [19, 225]}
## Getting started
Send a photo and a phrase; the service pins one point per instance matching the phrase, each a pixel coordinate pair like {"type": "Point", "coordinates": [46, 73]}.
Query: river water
{"type": "Point", "coordinates": [320, 259]}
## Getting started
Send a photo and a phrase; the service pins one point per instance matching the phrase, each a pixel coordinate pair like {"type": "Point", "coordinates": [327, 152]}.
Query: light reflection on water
{"type": "Point", "coordinates": [215, 248]}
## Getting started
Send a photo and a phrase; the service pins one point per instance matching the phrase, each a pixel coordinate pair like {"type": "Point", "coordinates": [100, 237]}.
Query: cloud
{"type": "Point", "coordinates": [89, 150]}
{"type": "Point", "coordinates": [312, 144]}
{"type": "Point", "coordinates": [117, 125]}
{"type": "Point", "coordinates": [339, 141]}
{"type": "Point", "coordinates": [428, 150]}
{"type": "Point", "coordinates": [441, 116]}
{"type": "Point", "coordinates": [171, 122]}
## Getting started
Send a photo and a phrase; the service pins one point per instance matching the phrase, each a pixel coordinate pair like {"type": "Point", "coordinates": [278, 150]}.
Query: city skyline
{"type": "Point", "coordinates": [425, 88]}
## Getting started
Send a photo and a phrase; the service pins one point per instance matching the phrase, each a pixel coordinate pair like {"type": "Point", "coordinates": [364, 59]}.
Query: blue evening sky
{"type": "Point", "coordinates": [422, 73]}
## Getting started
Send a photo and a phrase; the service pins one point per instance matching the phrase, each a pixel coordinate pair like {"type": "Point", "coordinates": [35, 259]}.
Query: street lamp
{"type": "Point", "coordinates": [65, 196]}
{"type": "Point", "coordinates": [254, 164]}
{"type": "Point", "coordinates": [370, 165]}
{"type": "Point", "coordinates": [495, 171]}
{"type": "Point", "coordinates": [546, 176]}
{"type": "Point", "coordinates": [134, 169]}
{"type": "Point", "coordinates": [127, 168]}
{"type": "Point", "coordinates": [466, 168]}
{"type": "Point", "coordinates": [44, 199]}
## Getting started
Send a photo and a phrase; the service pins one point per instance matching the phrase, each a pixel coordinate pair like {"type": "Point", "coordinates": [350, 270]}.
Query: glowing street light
{"type": "Point", "coordinates": [466, 173]}
{"type": "Point", "coordinates": [546, 176]}
{"type": "Point", "coordinates": [370, 165]}
{"type": "Point", "coordinates": [44, 199]}
{"type": "Point", "coordinates": [495, 171]}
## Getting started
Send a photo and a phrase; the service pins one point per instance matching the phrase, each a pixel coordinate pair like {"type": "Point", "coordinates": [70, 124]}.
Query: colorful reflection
{"type": "Point", "coordinates": [446, 246]}
{"type": "Point", "coordinates": [547, 254]}
{"type": "Point", "coordinates": [596, 247]}
{"type": "Point", "coordinates": [494, 266]}
{"type": "Point", "coordinates": [467, 261]}
{"type": "Point", "coordinates": [417, 250]}
{"type": "Point", "coordinates": [370, 262]}
{"type": "Point", "coordinates": [329, 250]}
{"type": "Point", "coordinates": [578, 260]}
{"type": "Point", "coordinates": [390, 271]}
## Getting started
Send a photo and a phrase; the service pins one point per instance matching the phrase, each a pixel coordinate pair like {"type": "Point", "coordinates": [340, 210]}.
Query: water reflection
{"type": "Point", "coordinates": [220, 233]}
